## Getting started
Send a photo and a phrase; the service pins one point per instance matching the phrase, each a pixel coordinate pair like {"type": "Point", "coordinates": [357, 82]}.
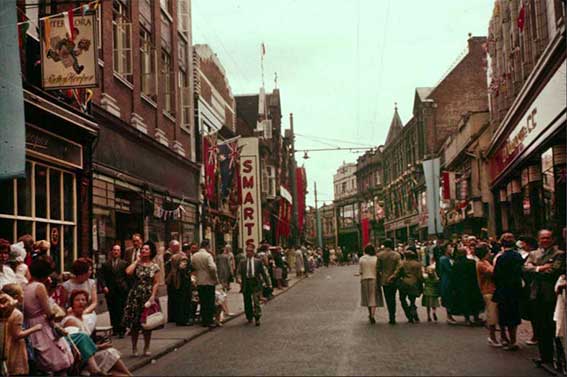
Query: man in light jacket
{"type": "Point", "coordinates": [386, 265]}
{"type": "Point", "coordinates": [205, 271]}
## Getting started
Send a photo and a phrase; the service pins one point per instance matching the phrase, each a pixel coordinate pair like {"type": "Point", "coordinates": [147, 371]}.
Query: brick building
{"type": "Point", "coordinates": [527, 152]}
{"type": "Point", "coordinates": [215, 113]}
{"type": "Point", "coordinates": [145, 174]}
{"type": "Point", "coordinates": [369, 186]}
{"type": "Point", "coordinates": [437, 112]}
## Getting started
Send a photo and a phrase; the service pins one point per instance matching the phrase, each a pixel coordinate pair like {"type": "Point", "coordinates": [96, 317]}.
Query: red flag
{"type": "Point", "coordinates": [365, 231]}
{"type": "Point", "coordinates": [521, 17]}
{"type": "Point", "coordinates": [210, 165]}
{"type": "Point", "coordinates": [300, 186]}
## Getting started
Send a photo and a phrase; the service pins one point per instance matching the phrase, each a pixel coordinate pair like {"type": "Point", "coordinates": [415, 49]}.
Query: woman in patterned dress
{"type": "Point", "coordinates": [142, 295]}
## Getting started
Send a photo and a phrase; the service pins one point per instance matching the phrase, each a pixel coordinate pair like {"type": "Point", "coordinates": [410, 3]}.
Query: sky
{"type": "Point", "coordinates": [341, 64]}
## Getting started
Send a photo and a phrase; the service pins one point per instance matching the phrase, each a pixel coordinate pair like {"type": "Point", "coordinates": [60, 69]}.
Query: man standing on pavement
{"type": "Point", "coordinates": [206, 272]}
{"type": "Point", "coordinates": [251, 277]}
{"type": "Point", "coordinates": [387, 263]}
{"type": "Point", "coordinates": [132, 253]}
{"type": "Point", "coordinates": [169, 253]}
{"type": "Point", "coordinates": [544, 265]}
{"type": "Point", "coordinates": [115, 287]}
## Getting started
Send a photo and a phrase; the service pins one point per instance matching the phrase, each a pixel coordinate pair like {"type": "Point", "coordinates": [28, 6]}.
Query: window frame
{"type": "Point", "coordinates": [122, 55]}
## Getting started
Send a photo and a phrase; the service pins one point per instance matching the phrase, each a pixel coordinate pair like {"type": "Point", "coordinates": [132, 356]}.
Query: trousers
{"type": "Point", "coordinates": [207, 302]}
{"type": "Point", "coordinates": [390, 296]}
{"type": "Point", "coordinates": [544, 327]}
{"type": "Point", "coordinates": [409, 309]}
{"type": "Point", "coordinates": [251, 294]}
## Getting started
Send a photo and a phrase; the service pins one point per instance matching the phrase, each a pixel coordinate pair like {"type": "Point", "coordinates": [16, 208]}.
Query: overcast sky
{"type": "Point", "coordinates": [341, 64]}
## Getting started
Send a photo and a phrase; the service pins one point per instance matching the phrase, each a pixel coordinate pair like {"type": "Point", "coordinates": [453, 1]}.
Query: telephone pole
{"type": "Point", "coordinates": [294, 230]}
{"type": "Point", "coordinates": [317, 218]}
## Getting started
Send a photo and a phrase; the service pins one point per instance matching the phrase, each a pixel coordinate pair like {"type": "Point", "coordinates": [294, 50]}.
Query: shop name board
{"type": "Point", "coordinates": [542, 113]}
{"type": "Point", "coordinates": [69, 57]}
{"type": "Point", "coordinates": [52, 147]}
{"type": "Point", "coordinates": [250, 215]}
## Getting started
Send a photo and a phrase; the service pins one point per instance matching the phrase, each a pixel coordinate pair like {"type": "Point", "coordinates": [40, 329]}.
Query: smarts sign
{"type": "Point", "coordinates": [250, 214]}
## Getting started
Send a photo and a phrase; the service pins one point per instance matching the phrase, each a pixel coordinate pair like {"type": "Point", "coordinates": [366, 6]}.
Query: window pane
{"type": "Point", "coordinates": [24, 193]}
{"type": "Point", "coordinates": [7, 229]}
{"type": "Point", "coordinates": [68, 246]}
{"type": "Point", "coordinates": [7, 196]}
{"type": "Point", "coordinates": [68, 197]}
{"type": "Point", "coordinates": [40, 231]}
{"type": "Point", "coordinates": [40, 191]}
{"type": "Point", "coordinates": [24, 227]}
{"type": "Point", "coordinates": [54, 240]}
{"type": "Point", "coordinates": [55, 194]}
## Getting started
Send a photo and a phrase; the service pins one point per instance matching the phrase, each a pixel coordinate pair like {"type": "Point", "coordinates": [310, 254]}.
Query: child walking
{"type": "Point", "coordinates": [430, 298]}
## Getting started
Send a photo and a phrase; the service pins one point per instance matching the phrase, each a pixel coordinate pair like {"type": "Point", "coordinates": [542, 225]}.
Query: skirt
{"type": "Point", "coordinates": [106, 359]}
{"type": "Point", "coordinates": [430, 301]}
{"type": "Point", "coordinates": [278, 273]}
{"type": "Point", "coordinates": [370, 294]}
{"type": "Point", "coordinates": [491, 310]}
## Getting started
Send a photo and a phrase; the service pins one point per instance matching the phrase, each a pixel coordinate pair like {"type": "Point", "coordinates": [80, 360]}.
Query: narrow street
{"type": "Point", "coordinates": [318, 328]}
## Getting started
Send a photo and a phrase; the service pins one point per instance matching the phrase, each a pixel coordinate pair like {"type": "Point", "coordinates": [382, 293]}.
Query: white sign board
{"type": "Point", "coordinates": [250, 214]}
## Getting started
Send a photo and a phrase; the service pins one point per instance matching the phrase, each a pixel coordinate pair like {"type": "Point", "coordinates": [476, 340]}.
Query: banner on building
{"type": "Point", "coordinates": [69, 51]}
{"type": "Point", "coordinates": [431, 170]}
{"type": "Point", "coordinates": [301, 186]}
{"type": "Point", "coordinates": [210, 154]}
{"type": "Point", "coordinates": [12, 121]}
{"type": "Point", "coordinates": [250, 213]}
{"type": "Point", "coordinates": [228, 156]}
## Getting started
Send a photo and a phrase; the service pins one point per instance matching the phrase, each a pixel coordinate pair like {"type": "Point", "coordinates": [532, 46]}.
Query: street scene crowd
{"type": "Point", "coordinates": [509, 280]}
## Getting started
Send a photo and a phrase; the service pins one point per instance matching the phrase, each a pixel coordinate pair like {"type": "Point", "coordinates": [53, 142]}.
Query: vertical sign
{"type": "Point", "coordinates": [431, 170]}
{"type": "Point", "coordinates": [12, 126]}
{"type": "Point", "coordinates": [250, 214]}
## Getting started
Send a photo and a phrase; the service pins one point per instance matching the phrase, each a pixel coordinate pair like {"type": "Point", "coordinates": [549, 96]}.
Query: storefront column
{"type": "Point", "coordinates": [560, 178]}
{"type": "Point", "coordinates": [535, 198]}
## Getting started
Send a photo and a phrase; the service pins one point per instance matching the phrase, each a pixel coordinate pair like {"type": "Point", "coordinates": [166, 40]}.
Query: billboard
{"type": "Point", "coordinates": [69, 51]}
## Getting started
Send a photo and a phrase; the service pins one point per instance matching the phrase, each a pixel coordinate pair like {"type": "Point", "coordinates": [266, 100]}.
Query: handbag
{"type": "Point", "coordinates": [152, 317]}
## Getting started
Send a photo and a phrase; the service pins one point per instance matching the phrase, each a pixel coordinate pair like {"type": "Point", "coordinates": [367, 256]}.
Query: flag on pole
{"type": "Point", "coordinates": [210, 151]}
{"type": "Point", "coordinates": [521, 17]}
{"type": "Point", "coordinates": [263, 49]}
{"type": "Point", "coordinates": [228, 156]}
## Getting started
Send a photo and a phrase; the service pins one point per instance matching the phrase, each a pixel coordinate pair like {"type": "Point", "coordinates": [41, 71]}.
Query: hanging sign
{"type": "Point", "coordinates": [69, 51]}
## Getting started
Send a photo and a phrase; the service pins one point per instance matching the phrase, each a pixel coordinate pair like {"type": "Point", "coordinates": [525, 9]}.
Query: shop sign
{"type": "Point", "coordinates": [547, 106]}
{"type": "Point", "coordinates": [69, 61]}
{"type": "Point", "coordinates": [46, 145]}
{"type": "Point", "coordinates": [250, 214]}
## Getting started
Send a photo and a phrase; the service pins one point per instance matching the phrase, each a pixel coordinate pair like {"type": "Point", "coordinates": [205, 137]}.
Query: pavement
{"type": "Point", "coordinates": [319, 328]}
{"type": "Point", "coordinates": [171, 337]}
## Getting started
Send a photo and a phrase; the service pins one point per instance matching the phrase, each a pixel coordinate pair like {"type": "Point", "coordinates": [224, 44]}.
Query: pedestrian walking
{"type": "Point", "coordinates": [206, 273]}
{"type": "Point", "coordinates": [545, 265]}
{"type": "Point", "coordinates": [224, 268]}
{"type": "Point", "coordinates": [409, 279]}
{"type": "Point", "coordinates": [430, 298]}
{"type": "Point", "coordinates": [485, 272]}
{"type": "Point", "coordinates": [114, 282]}
{"type": "Point", "coordinates": [299, 266]}
{"type": "Point", "coordinates": [370, 292]}
{"type": "Point", "coordinates": [508, 282]}
{"type": "Point", "coordinates": [142, 295]}
{"type": "Point", "coordinates": [444, 268]}
{"type": "Point", "coordinates": [467, 298]}
{"type": "Point", "coordinates": [252, 276]}
{"type": "Point", "coordinates": [387, 263]}
{"type": "Point", "coordinates": [180, 288]}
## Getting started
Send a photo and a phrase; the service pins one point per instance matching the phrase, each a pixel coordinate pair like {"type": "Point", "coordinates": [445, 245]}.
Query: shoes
{"type": "Point", "coordinates": [257, 321]}
{"type": "Point", "coordinates": [435, 317]}
{"type": "Point", "coordinates": [249, 321]}
{"type": "Point", "coordinates": [212, 325]}
{"type": "Point", "coordinates": [494, 343]}
{"type": "Point", "coordinates": [531, 342]}
{"type": "Point", "coordinates": [372, 320]}
{"type": "Point", "coordinates": [147, 353]}
{"type": "Point", "coordinates": [135, 353]}
{"type": "Point", "coordinates": [416, 319]}
{"type": "Point", "coordinates": [511, 347]}
{"type": "Point", "coordinates": [230, 314]}
{"type": "Point", "coordinates": [392, 322]}
{"type": "Point", "coordinates": [428, 319]}
{"type": "Point", "coordinates": [451, 321]}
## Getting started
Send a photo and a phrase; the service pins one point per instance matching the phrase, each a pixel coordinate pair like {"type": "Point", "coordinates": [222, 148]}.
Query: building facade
{"type": "Point", "coordinates": [347, 208]}
{"type": "Point", "coordinates": [146, 178]}
{"type": "Point", "coordinates": [437, 112]}
{"type": "Point", "coordinates": [527, 152]}
{"type": "Point", "coordinates": [369, 186]}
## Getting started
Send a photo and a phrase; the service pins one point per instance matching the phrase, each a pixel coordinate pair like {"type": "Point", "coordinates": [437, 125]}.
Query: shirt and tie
{"type": "Point", "coordinates": [250, 268]}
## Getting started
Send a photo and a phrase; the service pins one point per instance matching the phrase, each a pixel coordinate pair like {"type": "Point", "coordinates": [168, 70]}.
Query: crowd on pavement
{"type": "Point", "coordinates": [48, 320]}
{"type": "Point", "coordinates": [509, 280]}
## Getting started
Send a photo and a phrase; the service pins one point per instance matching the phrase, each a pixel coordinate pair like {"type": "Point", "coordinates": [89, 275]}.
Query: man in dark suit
{"type": "Point", "coordinates": [132, 252]}
{"type": "Point", "coordinates": [386, 264]}
{"type": "Point", "coordinates": [251, 277]}
{"type": "Point", "coordinates": [115, 287]}
{"type": "Point", "coordinates": [544, 265]}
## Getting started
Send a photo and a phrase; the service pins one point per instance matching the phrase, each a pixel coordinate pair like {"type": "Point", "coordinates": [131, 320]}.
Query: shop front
{"type": "Point", "coordinates": [140, 186]}
{"type": "Point", "coordinates": [528, 153]}
{"type": "Point", "coordinates": [52, 202]}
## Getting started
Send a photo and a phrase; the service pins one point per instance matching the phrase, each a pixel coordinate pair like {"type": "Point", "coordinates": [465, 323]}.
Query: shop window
{"type": "Point", "coordinates": [52, 193]}
{"type": "Point", "coordinates": [548, 185]}
{"type": "Point", "coordinates": [68, 241]}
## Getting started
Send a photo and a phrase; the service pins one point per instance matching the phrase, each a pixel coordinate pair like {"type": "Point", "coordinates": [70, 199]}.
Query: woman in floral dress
{"type": "Point", "coordinates": [142, 295]}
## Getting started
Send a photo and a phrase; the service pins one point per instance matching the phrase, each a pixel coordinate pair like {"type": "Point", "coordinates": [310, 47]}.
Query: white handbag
{"type": "Point", "coordinates": [154, 318]}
